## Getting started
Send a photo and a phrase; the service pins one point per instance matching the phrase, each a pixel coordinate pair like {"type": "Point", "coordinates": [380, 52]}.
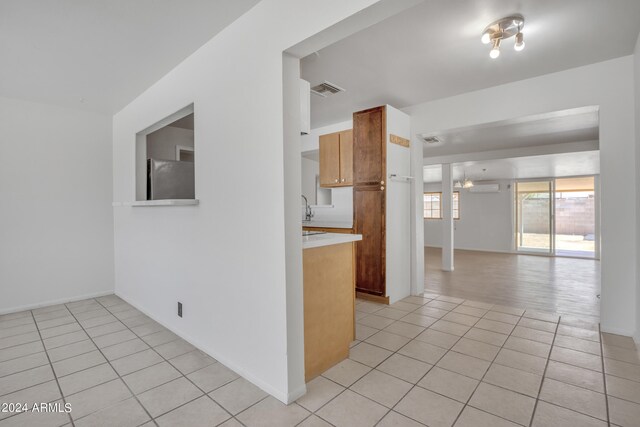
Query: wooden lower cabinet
{"type": "Point", "coordinates": [369, 221]}
{"type": "Point", "coordinates": [329, 301]}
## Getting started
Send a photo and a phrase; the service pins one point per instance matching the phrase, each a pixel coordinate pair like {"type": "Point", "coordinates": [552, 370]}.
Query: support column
{"type": "Point", "coordinates": [447, 217]}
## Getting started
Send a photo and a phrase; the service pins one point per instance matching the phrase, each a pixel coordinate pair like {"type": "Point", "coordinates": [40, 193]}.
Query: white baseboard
{"type": "Point", "coordinates": [278, 394]}
{"type": "Point", "coordinates": [617, 331]}
{"type": "Point", "coordinates": [54, 302]}
{"type": "Point", "coordinates": [296, 394]}
{"type": "Point", "coordinates": [498, 251]}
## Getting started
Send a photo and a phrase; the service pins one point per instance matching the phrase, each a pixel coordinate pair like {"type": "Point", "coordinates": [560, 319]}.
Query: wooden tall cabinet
{"type": "Point", "coordinates": [369, 201]}
{"type": "Point", "coordinates": [336, 159]}
{"type": "Point", "coordinates": [381, 206]}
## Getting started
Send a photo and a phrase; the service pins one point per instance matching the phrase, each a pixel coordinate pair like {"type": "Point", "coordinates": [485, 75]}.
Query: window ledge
{"type": "Point", "coordinates": [167, 202]}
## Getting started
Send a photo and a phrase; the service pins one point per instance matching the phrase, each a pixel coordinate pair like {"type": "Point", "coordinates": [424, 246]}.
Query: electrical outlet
{"type": "Point", "coordinates": [179, 309]}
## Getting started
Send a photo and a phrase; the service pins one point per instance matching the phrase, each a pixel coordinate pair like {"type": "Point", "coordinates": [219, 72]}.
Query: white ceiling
{"type": "Point", "coordinates": [554, 165]}
{"type": "Point", "coordinates": [186, 122]}
{"type": "Point", "coordinates": [433, 51]}
{"type": "Point", "coordinates": [578, 124]}
{"type": "Point", "coordinates": [100, 54]}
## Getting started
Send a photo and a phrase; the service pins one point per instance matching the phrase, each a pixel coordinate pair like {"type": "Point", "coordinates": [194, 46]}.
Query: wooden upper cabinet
{"type": "Point", "coordinates": [336, 159]}
{"type": "Point", "coordinates": [346, 157]}
{"type": "Point", "coordinates": [369, 146]}
{"type": "Point", "coordinates": [330, 160]}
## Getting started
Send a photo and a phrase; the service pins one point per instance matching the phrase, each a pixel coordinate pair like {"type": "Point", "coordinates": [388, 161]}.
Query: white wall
{"type": "Point", "coordinates": [310, 169]}
{"type": "Point", "coordinates": [225, 263]}
{"type": "Point", "coordinates": [341, 209]}
{"type": "Point", "coordinates": [293, 243]}
{"type": "Point", "coordinates": [636, 74]}
{"type": "Point", "coordinates": [398, 207]}
{"type": "Point", "coordinates": [56, 222]}
{"type": "Point", "coordinates": [311, 141]}
{"type": "Point", "coordinates": [485, 222]}
{"type": "Point", "coordinates": [161, 144]}
{"type": "Point", "coordinates": [609, 85]}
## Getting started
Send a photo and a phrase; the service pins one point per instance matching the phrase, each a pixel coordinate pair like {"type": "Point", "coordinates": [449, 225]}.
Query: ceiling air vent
{"type": "Point", "coordinates": [325, 89]}
{"type": "Point", "coordinates": [431, 140]}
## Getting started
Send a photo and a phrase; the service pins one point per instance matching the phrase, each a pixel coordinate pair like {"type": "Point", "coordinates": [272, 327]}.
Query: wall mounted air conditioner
{"type": "Point", "coordinates": [485, 188]}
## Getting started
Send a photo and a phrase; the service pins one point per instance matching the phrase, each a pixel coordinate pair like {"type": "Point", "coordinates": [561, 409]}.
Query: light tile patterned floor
{"type": "Point", "coordinates": [431, 360]}
{"type": "Point", "coordinates": [116, 367]}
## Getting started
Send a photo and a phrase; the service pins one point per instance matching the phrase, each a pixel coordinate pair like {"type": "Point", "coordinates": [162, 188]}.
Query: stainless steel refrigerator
{"type": "Point", "coordinates": [170, 179]}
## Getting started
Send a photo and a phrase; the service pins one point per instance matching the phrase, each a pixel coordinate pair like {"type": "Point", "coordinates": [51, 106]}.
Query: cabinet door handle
{"type": "Point", "coordinates": [381, 182]}
{"type": "Point", "coordinates": [382, 188]}
{"type": "Point", "coordinates": [342, 180]}
{"type": "Point", "coordinates": [336, 179]}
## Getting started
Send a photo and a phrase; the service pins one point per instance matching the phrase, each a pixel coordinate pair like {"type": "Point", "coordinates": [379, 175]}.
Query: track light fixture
{"type": "Point", "coordinates": [503, 29]}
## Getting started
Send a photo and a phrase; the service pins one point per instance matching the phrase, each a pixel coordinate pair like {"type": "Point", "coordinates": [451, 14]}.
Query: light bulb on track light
{"type": "Point", "coordinates": [519, 42]}
{"type": "Point", "coordinates": [495, 50]}
{"type": "Point", "coordinates": [486, 38]}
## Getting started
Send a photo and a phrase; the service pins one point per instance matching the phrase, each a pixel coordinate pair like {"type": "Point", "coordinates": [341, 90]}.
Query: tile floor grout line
{"type": "Point", "coordinates": [254, 404]}
{"type": "Point", "coordinates": [374, 368]}
{"type": "Point", "coordinates": [413, 385]}
{"type": "Point", "coordinates": [38, 322]}
{"type": "Point", "coordinates": [395, 320]}
{"type": "Point", "coordinates": [55, 326]}
{"type": "Point", "coordinates": [578, 386]}
{"type": "Point", "coordinates": [445, 348]}
{"type": "Point", "coordinates": [21, 333]}
{"type": "Point", "coordinates": [493, 362]}
{"type": "Point", "coordinates": [104, 324]}
{"type": "Point", "coordinates": [430, 369]}
{"type": "Point", "coordinates": [544, 372]}
{"type": "Point", "coordinates": [100, 364]}
{"type": "Point", "coordinates": [28, 342]}
{"type": "Point", "coordinates": [181, 373]}
{"type": "Point", "coordinates": [394, 352]}
{"type": "Point", "coordinates": [23, 355]}
{"type": "Point", "coordinates": [487, 370]}
{"type": "Point", "coordinates": [119, 377]}
{"type": "Point", "coordinates": [27, 369]}
{"type": "Point", "coordinates": [475, 379]}
{"type": "Point", "coordinates": [575, 365]}
{"type": "Point", "coordinates": [64, 400]}
{"type": "Point", "coordinates": [604, 376]}
{"type": "Point", "coordinates": [28, 387]}
{"type": "Point", "coordinates": [86, 352]}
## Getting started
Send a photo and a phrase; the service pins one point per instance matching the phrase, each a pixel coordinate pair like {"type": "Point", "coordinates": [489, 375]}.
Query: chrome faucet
{"type": "Point", "coordinates": [308, 213]}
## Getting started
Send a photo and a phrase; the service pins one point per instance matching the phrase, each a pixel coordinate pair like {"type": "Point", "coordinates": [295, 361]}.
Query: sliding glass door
{"type": "Point", "coordinates": [575, 217]}
{"type": "Point", "coordinates": [534, 216]}
{"type": "Point", "coordinates": [556, 216]}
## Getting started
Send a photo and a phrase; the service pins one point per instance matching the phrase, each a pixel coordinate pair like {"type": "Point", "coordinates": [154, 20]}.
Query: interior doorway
{"type": "Point", "coordinates": [557, 216]}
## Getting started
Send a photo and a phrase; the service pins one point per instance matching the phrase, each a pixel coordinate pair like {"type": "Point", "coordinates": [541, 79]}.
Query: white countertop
{"type": "Point", "coordinates": [327, 224]}
{"type": "Point", "coordinates": [326, 239]}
